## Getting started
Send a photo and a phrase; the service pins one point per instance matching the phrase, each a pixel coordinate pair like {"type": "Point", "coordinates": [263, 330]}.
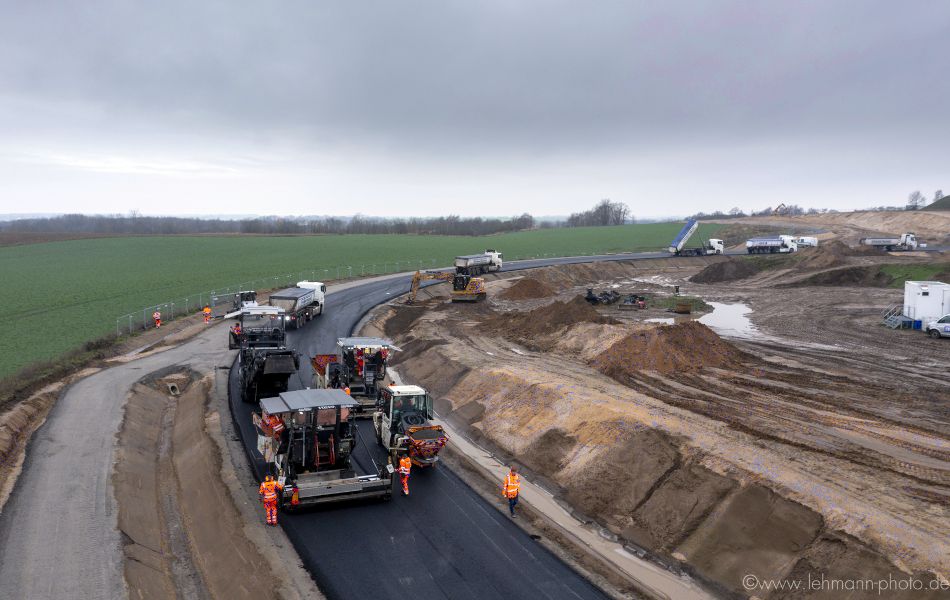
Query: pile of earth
{"type": "Point", "coordinates": [527, 326]}
{"type": "Point", "coordinates": [667, 349]}
{"type": "Point", "coordinates": [727, 270]}
{"type": "Point", "coordinates": [527, 289]}
{"type": "Point", "coordinates": [827, 255]}
{"type": "Point", "coordinates": [848, 276]}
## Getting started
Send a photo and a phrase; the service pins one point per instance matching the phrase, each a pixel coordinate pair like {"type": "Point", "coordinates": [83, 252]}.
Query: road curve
{"type": "Point", "coordinates": [444, 541]}
{"type": "Point", "coordinates": [59, 534]}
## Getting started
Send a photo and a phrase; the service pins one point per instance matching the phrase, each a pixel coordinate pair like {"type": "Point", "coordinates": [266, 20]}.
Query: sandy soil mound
{"type": "Point", "coordinates": [527, 289]}
{"type": "Point", "coordinates": [545, 319]}
{"type": "Point", "coordinates": [849, 276]}
{"type": "Point", "coordinates": [670, 348]}
{"type": "Point", "coordinates": [828, 255]}
{"type": "Point", "coordinates": [729, 270]}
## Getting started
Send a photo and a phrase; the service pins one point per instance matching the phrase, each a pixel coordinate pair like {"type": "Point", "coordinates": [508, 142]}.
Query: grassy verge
{"type": "Point", "coordinates": [901, 273]}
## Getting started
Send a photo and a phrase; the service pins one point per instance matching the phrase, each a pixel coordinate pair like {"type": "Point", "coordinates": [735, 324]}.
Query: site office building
{"type": "Point", "coordinates": [926, 301]}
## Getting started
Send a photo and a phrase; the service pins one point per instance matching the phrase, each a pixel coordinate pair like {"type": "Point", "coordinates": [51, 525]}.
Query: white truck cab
{"type": "Point", "coordinates": [939, 328]}
{"type": "Point", "coordinates": [319, 292]}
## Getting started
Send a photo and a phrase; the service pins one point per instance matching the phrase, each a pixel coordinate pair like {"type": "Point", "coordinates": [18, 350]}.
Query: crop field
{"type": "Point", "coordinates": [58, 295]}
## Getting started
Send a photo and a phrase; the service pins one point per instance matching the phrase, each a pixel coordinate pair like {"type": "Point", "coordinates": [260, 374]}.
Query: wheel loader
{"type": "Point", "coordinates": [403, 425]}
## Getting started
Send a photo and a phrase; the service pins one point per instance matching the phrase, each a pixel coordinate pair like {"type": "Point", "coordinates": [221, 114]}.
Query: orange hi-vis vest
{"type": "Point", "coordinates": [269, 490]}
{"type": "Point", "coordinates": [405, 465]}
{"type": "Point", "coordinates": [512, 485]}
{"type": "Point", "coordinates": [275, 423]}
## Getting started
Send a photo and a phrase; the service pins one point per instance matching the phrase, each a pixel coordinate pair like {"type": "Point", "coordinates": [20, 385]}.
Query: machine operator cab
{"type": "Point", "coordinates": [257, 327]}
{"type": "Point", "coordinates": [399, 408]}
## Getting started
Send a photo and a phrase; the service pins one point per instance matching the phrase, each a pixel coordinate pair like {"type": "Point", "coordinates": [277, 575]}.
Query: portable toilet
{"type": "Point", "coordinates": [925, 301]}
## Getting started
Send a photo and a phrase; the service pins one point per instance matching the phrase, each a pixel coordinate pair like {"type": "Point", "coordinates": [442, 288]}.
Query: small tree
{"type": "Point", "coordinates": [915, 200]}
{"type": "Point", "coordinates": [938, 195]}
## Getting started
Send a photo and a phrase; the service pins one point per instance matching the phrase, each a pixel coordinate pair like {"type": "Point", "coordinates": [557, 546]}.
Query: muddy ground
{"type": "Point", "coordinates": [814, 442]}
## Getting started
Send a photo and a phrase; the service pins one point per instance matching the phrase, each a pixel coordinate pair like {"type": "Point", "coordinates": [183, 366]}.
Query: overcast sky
{"type": "Point", "coordinates": [469, 107]}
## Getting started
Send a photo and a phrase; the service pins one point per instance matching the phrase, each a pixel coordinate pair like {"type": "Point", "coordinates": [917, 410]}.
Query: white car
{"type": "Point", "coordinates": [939, 328]}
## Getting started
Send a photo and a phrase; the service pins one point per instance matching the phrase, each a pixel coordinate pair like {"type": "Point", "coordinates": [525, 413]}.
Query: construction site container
{"type": "Point", "coordinates": [926, 301]}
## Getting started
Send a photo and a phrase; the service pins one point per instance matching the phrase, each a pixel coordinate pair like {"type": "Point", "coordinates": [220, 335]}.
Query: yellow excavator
{"type": "Point", "coordinates": [465, 288]}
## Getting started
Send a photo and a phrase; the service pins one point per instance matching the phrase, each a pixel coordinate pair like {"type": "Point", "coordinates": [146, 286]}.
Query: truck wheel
{"type": "Point", "coordinates": [935, 334]}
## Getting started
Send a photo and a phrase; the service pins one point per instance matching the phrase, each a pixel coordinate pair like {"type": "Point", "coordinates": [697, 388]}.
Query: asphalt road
{"type": "Point", "coordinates": [443, 541]}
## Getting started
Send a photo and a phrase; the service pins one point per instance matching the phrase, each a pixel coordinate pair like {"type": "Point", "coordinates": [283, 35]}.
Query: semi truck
{"type": "Point", "coordinates": [300, 304]}
{"type": "Point", "coordinates": [678, 246]}
{"type": "Point", "coordinates": [478, 264]}
{"type": "Point", "coordinates": [307, 438]}
{"type": "Point", "coordinates": [265, 363]}
{"type": "Point", "coordinates": [771, 245]}
{"type": "Point", "coordinates": [905, 241]}
{"type": "Point", "coordinates": [403, 425]}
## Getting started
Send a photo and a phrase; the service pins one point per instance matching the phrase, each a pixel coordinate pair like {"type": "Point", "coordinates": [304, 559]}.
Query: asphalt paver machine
{"type": "Point", "coordinates": [265, 362]}
{"type": "Point", "coordinates": [307, 437]}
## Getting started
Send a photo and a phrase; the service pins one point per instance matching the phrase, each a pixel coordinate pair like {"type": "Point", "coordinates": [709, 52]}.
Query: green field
{"type": "Point", "coordinates": [58, 295]}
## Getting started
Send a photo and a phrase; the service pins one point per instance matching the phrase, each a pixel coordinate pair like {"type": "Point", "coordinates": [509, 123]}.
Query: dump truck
{"type": "Point", "coordinates": [478, 264]}
{"type": "Point", "coordinates": [403, 425]}
{"type": "Point", "coordinates": [265, 363]}
{"type": "Point", "coordinates": [359, 364]}
{"type": "Point", "coordinates": [678, 246]}
{"type": "Point", "coordinates": [307, 438]}
{"type": "Point", "coordinates": [903, 242]}
{"type": "Point", "coordinates": [299, 304]}
{"type": "Point", "coordinates": [771, 245]}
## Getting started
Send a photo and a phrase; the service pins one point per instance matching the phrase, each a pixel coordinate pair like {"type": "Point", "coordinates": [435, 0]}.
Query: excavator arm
{"type": "Point", "coordinates": [421, 276]}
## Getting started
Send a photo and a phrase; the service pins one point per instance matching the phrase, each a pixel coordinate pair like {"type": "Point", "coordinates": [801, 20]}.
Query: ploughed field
{"type": "Point", "coordinates": [59, 295]}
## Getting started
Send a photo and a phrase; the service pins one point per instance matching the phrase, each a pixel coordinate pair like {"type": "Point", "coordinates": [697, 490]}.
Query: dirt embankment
{"type": "Point", "coordinates": [532, 328]}
{"type": "Point", "coordinates": [730, 270]}
{"type": "Point", "coordinates": [699, 453]}
{"type": "Point", "coordinates": [183, 535]}
{"type": "Point", "coordinates": [527, 288]}
{"type": "Point", "coordinates": [668, 349]}
{"type": "Point", "coordinates": [929, 225]}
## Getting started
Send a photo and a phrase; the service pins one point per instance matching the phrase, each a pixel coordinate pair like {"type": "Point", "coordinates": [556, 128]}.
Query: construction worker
{"type": "Point", "coordinates": [158, 319]}
{"type": "Point", "coordinates": [347, 390]}
{"type": "Point", "coordinates": [405, 465]}
{"type": "Point", "coordinates": [268, 493]}
{"type": "Point", "coordinates": [207, 313]}
{"type": "Point", "coordinates": [510, 489]}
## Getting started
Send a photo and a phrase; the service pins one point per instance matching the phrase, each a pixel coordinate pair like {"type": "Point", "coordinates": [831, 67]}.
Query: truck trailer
{"type": "Point", "coordinates": [478, 264]}
{"type": "Point", "coordinates": [903, 242]}
{"type": "Point", "coordinates": [299, 304]}
{"type": "Point", "coordinates": [307, 438]}
{"type": "Point", "coordinates": [678, 246]}
{"type": "Point", "coordinates": [771, 245]}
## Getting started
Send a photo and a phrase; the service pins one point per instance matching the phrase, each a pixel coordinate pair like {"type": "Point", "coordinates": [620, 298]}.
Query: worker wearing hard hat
{"type": "Point", "coordinates": [510, 488]}
{"type": "Point", "coordinates": [158, 319]}
{"type": "Point", "coordinates": [405, 465]}
{"type": "Point", "coordinates": [268, 493]}
{"type": "Point", "coordinates": [206, 311]}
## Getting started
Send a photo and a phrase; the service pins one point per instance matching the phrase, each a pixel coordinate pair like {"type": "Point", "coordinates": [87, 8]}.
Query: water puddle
{"type": "Point", "coordinates": [666, 321]}
{"type": "Point", "coordinates": [731, 320]}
